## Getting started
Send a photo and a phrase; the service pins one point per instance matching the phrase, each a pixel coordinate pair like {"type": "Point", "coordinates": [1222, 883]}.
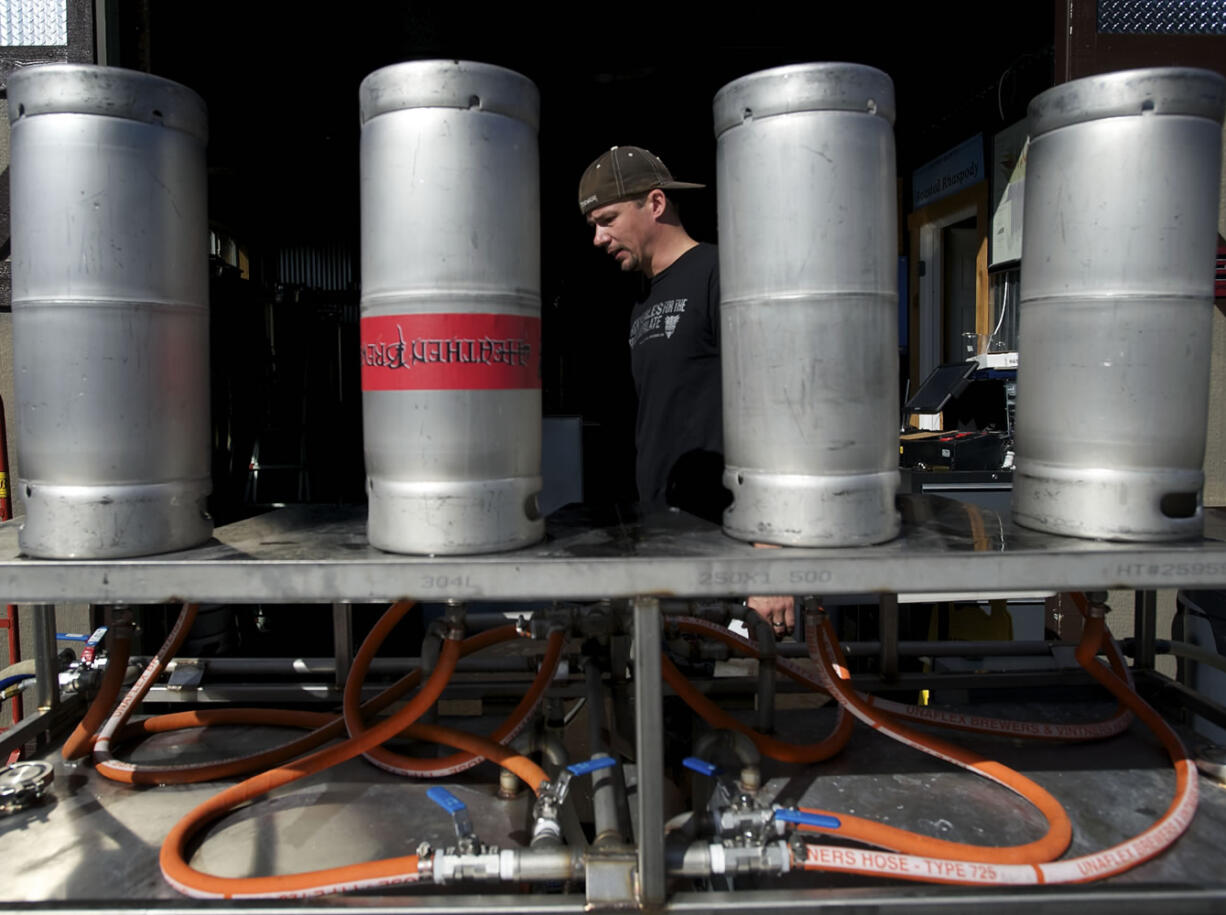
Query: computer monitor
{"type": "Point", "coordinates": [942, 384]}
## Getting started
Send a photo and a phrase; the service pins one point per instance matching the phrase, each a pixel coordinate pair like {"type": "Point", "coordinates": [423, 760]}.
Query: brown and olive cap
{"type": "Point", "coordinates": [622, 173]}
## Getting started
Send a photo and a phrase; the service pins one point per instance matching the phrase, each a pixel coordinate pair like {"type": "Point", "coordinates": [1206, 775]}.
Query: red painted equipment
{"type": "Point", "coordinates": [9, 621]}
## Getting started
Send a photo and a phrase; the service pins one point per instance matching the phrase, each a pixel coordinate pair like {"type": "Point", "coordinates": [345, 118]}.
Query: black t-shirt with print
{"type": "Point", "coordinates": [674, 357]}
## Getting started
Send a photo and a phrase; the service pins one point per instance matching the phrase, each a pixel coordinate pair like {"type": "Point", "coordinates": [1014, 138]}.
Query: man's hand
{"type": "Point", "coordinates": [780, 612]}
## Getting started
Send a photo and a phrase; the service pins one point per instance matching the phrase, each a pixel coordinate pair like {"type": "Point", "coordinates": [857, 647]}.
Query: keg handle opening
{"type": "Point", "coordinates": [1179, 504]}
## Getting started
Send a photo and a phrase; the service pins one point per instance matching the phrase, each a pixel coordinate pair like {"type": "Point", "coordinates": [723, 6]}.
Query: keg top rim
{"type": "Point", "coordinates": [461, 84]}
{"type": "Point", "coordinates": [826, 86]}
{"type": "Point", "coordinates": [1184, 91]}
{"type": "Point", "coordinates": [108, 91]}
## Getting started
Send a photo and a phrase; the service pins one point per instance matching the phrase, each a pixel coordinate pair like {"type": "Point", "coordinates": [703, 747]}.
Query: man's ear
{"type": "Point", "coordinates": [658, 202]}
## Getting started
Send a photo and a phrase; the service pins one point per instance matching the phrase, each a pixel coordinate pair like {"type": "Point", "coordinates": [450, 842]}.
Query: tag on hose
{"type": "Point", "coordinates": [445, 799]}
{"type": "Point", "coordinates": [591, 765]}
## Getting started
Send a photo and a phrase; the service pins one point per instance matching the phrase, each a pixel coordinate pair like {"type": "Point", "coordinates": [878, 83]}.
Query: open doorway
{"type": "Point", "coordinates": [959, 249]}
{"type": "Point", "coordinates": [950, 309]}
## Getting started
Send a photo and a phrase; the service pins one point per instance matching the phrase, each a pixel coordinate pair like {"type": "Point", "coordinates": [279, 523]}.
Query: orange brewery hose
{"type": "Point", "coordinates": [1107, 862]}
{"type": "Point", "coordinates": [81, 740]}
{"type": "Point", "coordinates": [326, 726]}
{"type": "Point", "coordinates": [1049, 846]}
{"type": "Point", "coordinates": [1035, 730]}
{"type": "Point", "coordinates": [186, 879]}
{"type": "Point", "coordinates": [378, 873]}
{"type": "Point", "coordinates": [364, 875]}
{"type": "Point", "coordinates": [456, 762]}
{"type": "Point", "coordinates": [174, 639]}
{"type": "Point", "coordinates": [713, 715]}
{"type": "Point", "coordinates": [776, 749]}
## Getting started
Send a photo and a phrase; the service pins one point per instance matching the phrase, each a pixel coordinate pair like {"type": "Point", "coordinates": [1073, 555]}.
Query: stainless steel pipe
{"type": "Point", "coordinates": [610, 812]}
{"type": "Point", "coordinates": [808, 276]}
{"type": "Point", "coordinates": [1118, 242]}
{"type": "Point", "coordinates": [110, 311]}
{"type": "Point", "coordinates": [451, 390]}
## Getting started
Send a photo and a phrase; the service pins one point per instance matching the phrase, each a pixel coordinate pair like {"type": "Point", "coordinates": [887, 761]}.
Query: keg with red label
{"type": "Point", "coordinates": [451, 328]}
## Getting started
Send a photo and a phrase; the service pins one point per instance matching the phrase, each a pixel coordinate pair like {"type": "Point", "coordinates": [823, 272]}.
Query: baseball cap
{"type": "Point", "coordinates": [624, 172]}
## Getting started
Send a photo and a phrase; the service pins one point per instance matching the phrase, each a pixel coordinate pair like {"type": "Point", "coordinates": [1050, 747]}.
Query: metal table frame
{"type": "Point", "coordinates": [320, 554]}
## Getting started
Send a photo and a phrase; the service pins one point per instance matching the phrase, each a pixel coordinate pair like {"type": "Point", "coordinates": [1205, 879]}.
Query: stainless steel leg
{"type": "Point", "coordinates": [342, 640]}
{"type": "Point", "coordinates": [889, 636]}
{"type": "Point", "coordinates": [1145, 625]}
{"type": "Point", "coordinates": [649, 751]}
{"type": "Point", "coordinates": [767, 652]}
{"type": "Point", "coordinates": [608, 791]}
{"type": "Point", "coordinates": [47, 668]}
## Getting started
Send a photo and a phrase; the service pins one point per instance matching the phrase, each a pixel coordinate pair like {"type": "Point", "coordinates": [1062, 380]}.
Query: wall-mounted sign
{"type": "Point", "coordinates": [948, 173]}
{"type": "Point", "coordinates": [1008, 184]}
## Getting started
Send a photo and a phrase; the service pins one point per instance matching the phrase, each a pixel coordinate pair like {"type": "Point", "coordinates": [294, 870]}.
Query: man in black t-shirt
{"type": "Point", "coordinates": [674, 337]}
{"type": "Point", "coordinates": [674, 357]}
{"type": "Point", "coordinates": [674, 329]}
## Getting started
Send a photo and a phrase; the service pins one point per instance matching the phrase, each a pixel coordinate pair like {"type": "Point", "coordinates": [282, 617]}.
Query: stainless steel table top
{"type": "Point", "coordinates": [320, 554]}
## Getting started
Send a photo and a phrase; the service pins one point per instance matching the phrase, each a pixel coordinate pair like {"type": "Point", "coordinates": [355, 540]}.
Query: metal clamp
{"type": "Point", "coordinates": [23, 783]}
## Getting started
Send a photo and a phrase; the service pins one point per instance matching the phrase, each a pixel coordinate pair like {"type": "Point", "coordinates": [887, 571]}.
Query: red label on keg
{"type": "Point", "coordinates": [450, 352]}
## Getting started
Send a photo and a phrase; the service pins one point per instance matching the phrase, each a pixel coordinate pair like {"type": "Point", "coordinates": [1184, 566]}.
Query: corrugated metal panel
{"type": "Point", "coordinates": [33, 23]}
{"type": "Point", "coordinates": [1162, 17]}
{"type": "Point", "coordinates": [328, 267]}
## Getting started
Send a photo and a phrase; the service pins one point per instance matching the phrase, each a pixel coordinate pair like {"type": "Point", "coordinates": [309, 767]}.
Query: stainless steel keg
{"type": "Point", "coordinates": [809, 304]}
{"type": "Point", "coordinates": [451, 330]}
{"type": "Point", "coordinates": [110, 311]}
{"type": "Point", "coordinates": [1116, 304]}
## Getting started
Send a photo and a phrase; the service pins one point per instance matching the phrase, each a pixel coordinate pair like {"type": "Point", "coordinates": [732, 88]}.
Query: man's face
{"type": "Point", "coordinates": [623, 230]}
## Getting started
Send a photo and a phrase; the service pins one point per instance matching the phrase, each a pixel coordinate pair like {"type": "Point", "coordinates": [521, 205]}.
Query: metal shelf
{"type": "Point", "coordinates": [320, 554]}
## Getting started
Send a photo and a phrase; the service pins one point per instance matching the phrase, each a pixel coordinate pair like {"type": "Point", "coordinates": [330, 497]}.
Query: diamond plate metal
{"type": "Point", "coordinates": [1162, 17]}
{"type": "Point", "coordinates": [33, 23]}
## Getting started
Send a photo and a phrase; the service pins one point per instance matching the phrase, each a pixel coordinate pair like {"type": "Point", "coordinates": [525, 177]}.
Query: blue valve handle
{"type": "Point", "coordinates": [701, 766]}
{"type": "Point", "coordinates": [446, 800]}
{"type": "Point", "coordinates": [591, 765]}
{"type": "Point", "coordinates": [791, 815]}
{"type": "Point", "coordinates": [98, 635]}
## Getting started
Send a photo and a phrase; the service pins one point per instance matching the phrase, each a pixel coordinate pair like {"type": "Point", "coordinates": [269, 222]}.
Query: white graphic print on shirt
{"type": "Point", "coordinates": [659, 320]}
